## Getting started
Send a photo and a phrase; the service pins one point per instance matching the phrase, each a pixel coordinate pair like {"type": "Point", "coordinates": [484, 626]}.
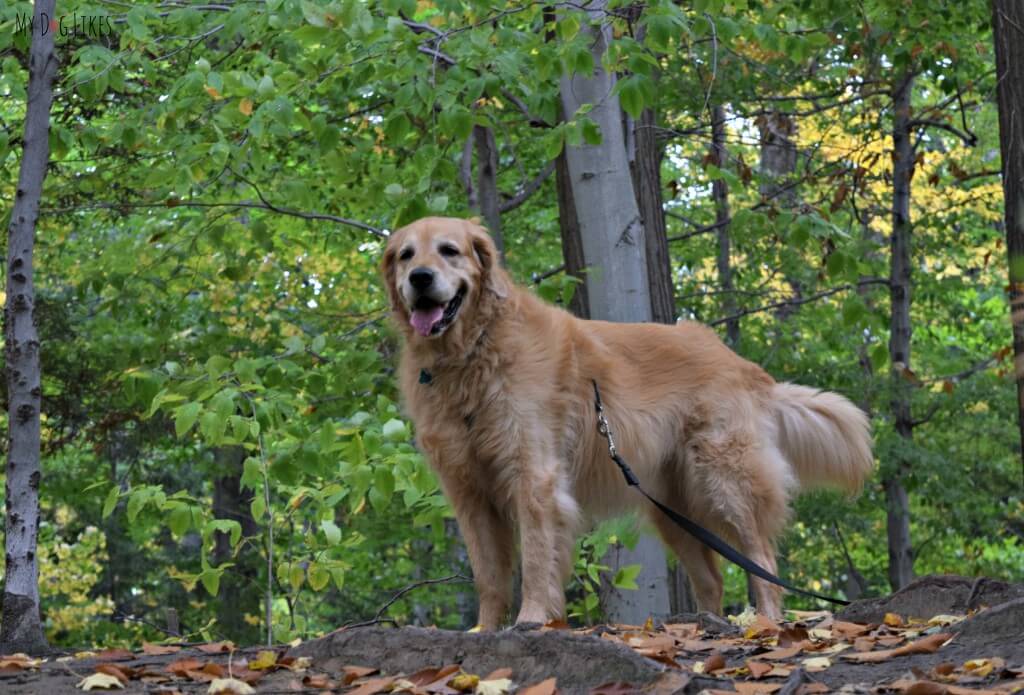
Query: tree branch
{"type": "Point", "coordinates": [969, 139]}
{"type": "Point", "coordinates": [801, 301]}
{"type": "Point", "coordinates": [174, 203]}
{"type": "Point", "coordinates": [529, 189]}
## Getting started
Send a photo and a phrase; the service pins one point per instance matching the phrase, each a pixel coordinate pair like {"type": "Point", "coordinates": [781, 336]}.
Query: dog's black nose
{"type": "Point", "coordinates": [421, 278]}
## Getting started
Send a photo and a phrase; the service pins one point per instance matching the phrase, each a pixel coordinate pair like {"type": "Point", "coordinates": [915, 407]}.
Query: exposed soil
{"type": "Point", "coordinates": [659, 658]}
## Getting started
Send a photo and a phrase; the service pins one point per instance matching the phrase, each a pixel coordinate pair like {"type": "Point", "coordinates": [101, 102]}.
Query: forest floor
{"type": "Point", "coordinates": [939, 635]}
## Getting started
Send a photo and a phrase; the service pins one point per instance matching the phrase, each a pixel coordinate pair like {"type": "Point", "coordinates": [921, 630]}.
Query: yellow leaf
{"type": "Point", "coordinates": [498, 686]}
{"type": "Point", "coordinates": [817, 663]}
{"type": "Point", "coordinates": [893, 620]}
{"type": "Point", "coordinates": [212, 92]}
{"type": "Point", "coordinates": [100, 681]}
{"type": "Point", "coordinates": [245, 106]}
{"type": "Point", "coordinates": [464, 682]}
{"type": "Point", "coordinates": [229, 685]}
{"type": "Point", "coordinates": [945, 619]}
{"type": "Point", "coordinates": [476, 628]}
{"type": "Point", "coordinates": [263, 660]}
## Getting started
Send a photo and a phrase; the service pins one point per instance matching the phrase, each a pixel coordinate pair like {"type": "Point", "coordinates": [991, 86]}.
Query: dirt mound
{"type": "Point", "coordinates": [581, 662]}
{"type": "Point", "coordinates": [934, 595]}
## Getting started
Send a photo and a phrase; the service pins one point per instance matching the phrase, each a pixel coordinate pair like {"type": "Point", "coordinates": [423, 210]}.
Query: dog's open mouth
{"type": "Point", "coordinates": [430, 317]}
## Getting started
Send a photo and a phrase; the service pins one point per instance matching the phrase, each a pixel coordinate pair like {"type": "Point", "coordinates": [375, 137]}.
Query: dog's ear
{"type": "Point", "coordinates": [491, 275]}
{"type": "Point", "coordinates": [387, 271]}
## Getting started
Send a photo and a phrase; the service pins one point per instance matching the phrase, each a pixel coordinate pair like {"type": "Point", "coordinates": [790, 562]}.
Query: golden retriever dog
{"type": "Point", "coordinates": [498, 385]}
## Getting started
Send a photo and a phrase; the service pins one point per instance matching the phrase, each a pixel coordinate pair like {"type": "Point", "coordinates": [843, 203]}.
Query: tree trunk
{"type": "Point", "coordinates": [239, 587]}
{"type": "Point", "coordinates": [720, 194]}
{"type": "Point", "coordinates": [21, 629]}
{"type": "Point", "coordinates": [646, 169]}
{"type": "Point", "coordinates": [572, 238]}
{"type": "Point", "coordinates": [617, 284]}
{"type": "Point", "coordinates": [778, 167]}
{"type": "Point", "coordinates": [487, 184]}
{"type": "Point", "coordinates": [1008, 34]}
{"type": "Point", "coordinates": [901, 554]}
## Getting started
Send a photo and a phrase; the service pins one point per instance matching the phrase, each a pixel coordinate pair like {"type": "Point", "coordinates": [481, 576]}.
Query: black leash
{"type": "Point", "coordinates": [694, 529]}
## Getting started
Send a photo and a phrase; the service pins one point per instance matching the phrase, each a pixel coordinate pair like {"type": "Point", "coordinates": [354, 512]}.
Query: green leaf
{"type": "Point", "coordinates": [625, 578]}
{"type": "Point", "coordinates": [457, 121]}
{"type": "Point", "coordinates": [631, 96]}
{"type": "Point", "coordinates": [319, 577]}
{"type": "Point", "coordinates": [111, 501]}
{"type": "Point", "coordinates": [184, 417]}
{"type": "Point", "coordinates": [331, 531]}
{"type": "Point", "coordinates": [394, 430]}
{"type": "Point", "coordinates": [179, 520]}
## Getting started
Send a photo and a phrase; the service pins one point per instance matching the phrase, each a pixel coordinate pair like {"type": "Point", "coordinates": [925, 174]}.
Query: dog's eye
{"type": "Point", "coordinates": [448, 250]}
{"type": "Point", "coordinates": [405, 255]}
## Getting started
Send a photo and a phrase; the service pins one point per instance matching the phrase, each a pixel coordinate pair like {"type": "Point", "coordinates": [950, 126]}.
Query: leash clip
{"type": "Point", "coordinates": [603, 428]}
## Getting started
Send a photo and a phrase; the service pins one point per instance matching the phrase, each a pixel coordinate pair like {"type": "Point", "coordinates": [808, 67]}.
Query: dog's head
{"type": "Point", "coordinates": [439, 272]}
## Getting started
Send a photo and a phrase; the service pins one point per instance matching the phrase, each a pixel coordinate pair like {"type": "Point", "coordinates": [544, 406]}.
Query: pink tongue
{"type": "Point", "coordinates": [423, 320]}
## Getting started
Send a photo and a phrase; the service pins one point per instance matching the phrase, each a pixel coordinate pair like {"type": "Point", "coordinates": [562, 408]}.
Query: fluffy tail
{"type": "Point", "coordinates": [825, 437]}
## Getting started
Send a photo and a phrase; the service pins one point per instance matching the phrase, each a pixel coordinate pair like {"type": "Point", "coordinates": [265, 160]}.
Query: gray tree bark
{"type": "Point", "coordinates": [1008, 34]}
{"type": "Point", "coordinates": [21, 629]}
{"type": "Point", "coordinates": [614, 245]}
{"type": "Point", "coordinates": [778, 165]}
{"type": "Point", "coordinates": [487, 184]}
{"type": "Point", "coordinates": [720, 194]}
{"type": "Point", "coordinates": [572, 238]}
{"type": "Point", "coordinates": [901, 552]}
{"type": "Point", "coordinates": [239, 587]}
{"type": "Point", "coordinates": [646, 170]}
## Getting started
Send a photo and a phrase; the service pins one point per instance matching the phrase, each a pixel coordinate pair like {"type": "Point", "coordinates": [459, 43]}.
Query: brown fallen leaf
{"type": "Point", "coordinates": [792, 635]}
{"type": "Point", "coordinates": [352, 673]}
{"type": "Point", "coordinates": [115, 655]}
{"type": "Point", "coordinates": [758, 669]}
{"type": "Point", "coordinates": [925, 645]}
{"type": "Point", "coordinates": [557, 625]}
{"type": "Point", "coordinates": [122, 674]}
{"type": "Point", "coordinates": [498, 674]}
{"type": "Point", "coordinates": [778, 654]}
{"type": "Point", "coordinates": [374, 686]}
{"type": "Point", "coordinates": [926, 688]}
{"type": "Point", "coordinates": [714, 662]}
{"type": "Point", "coordinates": [426, 676]}
{"type": "Point", "coordinates": [217, 647]}
{"type": "Point", "coordinates": [744, 688]}
{"type": "Point", "coordinates": [842, 628]}
{"type": "Point", "coordinates": [945, 668]}
{"type": "Point", "coordinates": [182, 666]}
{"type": "Point", "coordinates": [547, 687]}
{"type": "Point", "coordinates": [864, 644]}
{"type": "Point", "coordinates": [893, 620]}
{"type": "Point", "coordinates": [319, 681]}
{"type": "Point", "coordinates": [812, 688]}
{"type": "Point", "coordinates": [151, 649]}
{"type": "Point", "coordinates": [761, 626]}
{"type": "Point", "coordinates": [18, 662]}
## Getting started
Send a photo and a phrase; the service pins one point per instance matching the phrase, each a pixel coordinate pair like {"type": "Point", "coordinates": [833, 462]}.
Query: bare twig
{"type": "Point", "coordinates": [801, 301]}
{"type": "Point", "coordinates": [379, 617]}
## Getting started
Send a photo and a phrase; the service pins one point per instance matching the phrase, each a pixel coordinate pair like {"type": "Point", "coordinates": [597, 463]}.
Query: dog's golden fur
{"type": "Point", "coordinates": [508, 423]}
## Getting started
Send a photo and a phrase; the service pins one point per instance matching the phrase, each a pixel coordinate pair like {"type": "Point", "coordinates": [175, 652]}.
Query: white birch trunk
{"type": "Point", "coordinates": [20, 626]}
{"type": "Point", "coordinates": [617, 283]}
